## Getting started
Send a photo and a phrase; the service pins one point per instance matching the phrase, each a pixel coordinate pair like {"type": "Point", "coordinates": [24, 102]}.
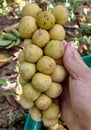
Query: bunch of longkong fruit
{"type": "Point", "coordinates": [41, 71]}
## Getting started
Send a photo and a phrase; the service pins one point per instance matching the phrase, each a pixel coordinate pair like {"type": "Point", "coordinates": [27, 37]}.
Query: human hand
{"type": "Point", "coordinates": [75, 102]}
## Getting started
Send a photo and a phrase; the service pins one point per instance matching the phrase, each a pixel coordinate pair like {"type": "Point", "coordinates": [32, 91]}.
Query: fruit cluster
{"type": "Point", "coordinates": [41, 71]}
{"type": "Point", "coordinates": [10, 39]}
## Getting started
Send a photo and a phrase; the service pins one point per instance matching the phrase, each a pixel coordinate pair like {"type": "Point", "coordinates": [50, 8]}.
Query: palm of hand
{"type": "Point", "coordinates": [75, 103]}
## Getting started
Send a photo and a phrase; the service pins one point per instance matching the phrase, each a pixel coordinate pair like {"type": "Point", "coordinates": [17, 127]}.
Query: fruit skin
{"type": "Point", "coordinates": [27, 42]}
{"type": "Point", "coordinates": [35, 113]}
{"type": "Point", "coordinates": [31, 9]}
{"type": "Point", "coordinates": [45, 20]}
{"type": "Point", "coordinates": [25, 103]}
{"type": "Point", "coordinates": [41, 82]}
{"type": "Point", "coordinates": [57, 32]}
{"type": "Point", "coordinates": [54, 49]}
{"type": "Point", "coordinates": [21, 58]}
{"type": "Point", "coordinates": [30, 93]}
{"type": "Point", "coordinates": [61, 14]}
{"type": "Point", "coordinates": [40, 37]}
{"type": "Point", "coordinates": [33, 53]}
{"type": "Point", "coordinates": [9, 36]}
{"type": "Point", "coordinates": [49, 122]}
{"type": "Point", "coordinates": [5, 43]}
{"type": "Point", "coordinates": [27, 70]}
{"type": "Point", "coordinates": [46, 65]}
{"type": "Point", "coordinates": [59, 74]}
{"type": "Point", "coordinates": [27, 26]}
{"type": "Point", "coordinates": [55, 90]}
{"type": "Point", "coordinates": [22, 81]}
{"type": "Point", "coordinates": [52, 112]}
{"type": "Point", "coordinates": [43, 102]}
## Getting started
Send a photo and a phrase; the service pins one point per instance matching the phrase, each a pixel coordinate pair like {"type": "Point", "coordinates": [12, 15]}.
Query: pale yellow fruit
{"type": "Point", "coordinates": [43, 102]}
{"type": "Point", "coordinates": [31, 9]}
{"type": "Point", "coordinates": [52, 112]}
{"type": "Point", "coordinates": [61, 14]}
{"type": "Point", "coordinates": [41, 82]}
{"type": "Point", "coordinates": [57, 32]}
{"type": "Point", "coordinates": [55, 90]}
{"type": "Point", "coordinates": [33, 53]}
{"type": "Point", "coordinates": [22, 81]}
{"type": "Point", "coordinates": [45, 20]}
{"type": "Point", "coordinates": [21, 58]}
{"type": "Point", "coordinates": [40, 37]}
{"type": "Point", "coordinates": [30, 93]}
{"type": "Point", "coordinates": [35, 113]}
{"type": "Point", "coordinates": [46, 65]}
{"type": "Point", "coordinates": [27, 42]}
{"type": "Point", "coordinates": [59, 74]}
{"type": "Point", "coordinates": [25, 103]}
{"type": "Point", "coordinates": [27, 26]}
{"type": "Point", "coordinates": [49, 122]}
{"type": "Point", "coordinates": [27, 70]}
{"type": "Point", "coordinates": [54, 49]}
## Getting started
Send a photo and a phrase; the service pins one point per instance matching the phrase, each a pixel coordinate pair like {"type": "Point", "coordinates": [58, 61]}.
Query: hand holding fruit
{"type": "Point", "coordinates": [75, 102]}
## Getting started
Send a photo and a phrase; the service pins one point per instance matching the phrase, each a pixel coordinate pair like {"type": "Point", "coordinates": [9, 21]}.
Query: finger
{"type": "Point", "coordinates": [73, 62]}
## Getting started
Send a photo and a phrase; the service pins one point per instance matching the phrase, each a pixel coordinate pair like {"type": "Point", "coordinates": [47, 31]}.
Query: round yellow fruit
{"type": "Point", "coordinates": [54, 49]}
{"type": "Point", "coordinates": [52, 112]}
{"type": "Point", "coordinates": [33, 53]}
{"type": "Point", "coordinates": [43, 102]}
{"type": "Point", "coordinates": [27, 42]}
{"type": "Point", "coordinates": [27, 70]}
{"type": "Point", "coordinates": [35, 113]}
{"type": "Point", "coordinates": [40, 37]}
{"type": "Point", "coordinates": [46, 65]}
{"type": "Point", "coordinates": [30, 93]}
{"type": "Point", "coordinates": [41, 82]}
{"type": "Point", "coordinates": [58, 74]}
{"type": "Point", "coordinates": [49, 122]}
{"type": "Point", "coordinates": [21, 58]}
{"type": "Point", "coordinates": [31, 9]}
{"type": "Point", "coordinates": [22, 81]}
{"type": "Point", "coordinates": [61, 14]}
{"type": "Point", "coordinates": [57, 32]}
{"type": "Point", "coordinates": [25, 103]}
{"type": "Point", "coordinates": [45, 20]}
{"type": "Point", "coordinates": [27, 26]}
{"type": "Point", "coordinates": [55, 90]}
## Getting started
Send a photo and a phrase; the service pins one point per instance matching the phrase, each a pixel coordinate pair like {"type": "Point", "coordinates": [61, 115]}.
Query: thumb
{"type": "Point", "coordinates": [73, 61]}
